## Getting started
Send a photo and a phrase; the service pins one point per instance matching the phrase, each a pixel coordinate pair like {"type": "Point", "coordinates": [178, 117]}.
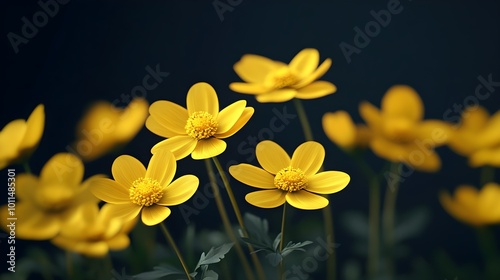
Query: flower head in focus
{"type": "Point", "coordinates": [106, 127]}
{"type": "Point", "coordinates": [472, 206]}
{"type": "Point", "coordinates": [136, 190]}
{"type": "Point", "coordinates": [93, 233]}
{"type": "Point", "coordinates": [199, 129]}
{"type": "Point", "coordinates": [399, 133]}
{"type": "Point", "coordinates": [341, 130]}
{"type": "Point", "coordinates": [294, 180]}
{"type": "Point", "coordinates": [478, 137]}
{"type": "Point", "coordinates": [19, 138]}
{"type": "Point", "coordinates": [275, 81]}
{"type": "Point", "coordinates": [47, 202]}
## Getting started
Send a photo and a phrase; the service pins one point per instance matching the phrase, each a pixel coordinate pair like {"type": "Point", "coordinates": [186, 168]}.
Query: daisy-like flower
{"type": "Point", "coordinates": [199, 129]}
{"type": "Point", "coordinates": [472, 206]}
{"type": "Point", "coordinates": [93, 233]}
{"type": "Point", "coordinates": [136, 190]}
{"type": "Point", "coordinates": [399, 133]}
{"type": "Point", "coordinates": [275, 81]}
{"type": "Point", "coordinates": [294, 180]}
{"type": "Point", "coordinates": [341, 130]}
{"type": "Point", "coordinates": [105, 127]}
{"type": "Point", "coordinates": [47, 202]}
{"type": "Point", "coordinates": [19, 138]}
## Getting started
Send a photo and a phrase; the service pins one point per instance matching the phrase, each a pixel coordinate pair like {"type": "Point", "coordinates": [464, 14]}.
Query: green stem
{"type": "Point", "coordinates": [391, 194]}
{"type": "Point", "coordinates": [225, 220]}
{"type": "Point", "coordinates": [487, 245]}
{"type": "Point", "coordinates": [303, 119]}
{"type": "Point", "coordinates": [487, 175]}
{"type": "Point", "coordinates": [282, 241]}
{"type": "Point", "coordinates": [176, 250]}
{"type": "Point", "coordinates": [27, 168]}
{"type": "Point", "coordinates": [69, 265]}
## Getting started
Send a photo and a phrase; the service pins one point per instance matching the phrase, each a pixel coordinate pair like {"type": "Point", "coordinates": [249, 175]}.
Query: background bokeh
{"type": "Point", "coordinates": [98, 50]}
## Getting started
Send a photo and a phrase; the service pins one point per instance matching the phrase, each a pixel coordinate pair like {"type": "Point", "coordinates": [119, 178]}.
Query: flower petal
{"type": "Point", "coordinates": [229, 116]}
{"type": "Point", "coordinates": [266, 198]}
{"type": "Point", "coordinates": [131, 120]}
{"type": "Point", "coordinates": [248, 88]}
{"type": "Point", "coordinates": [316, 90]}
{"type": "Point", "coordinates": [308, 157]}
{"type": "Point", "coordinates": [162, 167]}
{"type": "Point", "coordinates": [208, 148]}
{"type": "Point", "coordinates": [35, 125]}
{"type": "Point", "coordinates": [154, 214]}
{"type": "Point", "coordinates": [271, 156]}
{"type": "Point", "coordinates": [305, 62]}
{"type": "Point", "coordinates": [202, 97]}
{"type": "Point", "coordinates": [340, 128]}
{"type": "Point", "coordinates": [244, 118]}
{"type": "Point", "coordinates": [402, 101]}
{"type": "Point", "coordinates": [328, 182]}
{"type": "Point", "coordinates": [180, 146]}
{"type": "Point", "coordinates": [124, 211]}
{"type": "Point", "coordinates": [252, 176]}
{"type": "Point", "coordinates": [371, 115]}
{"type": "Point", "coordinates": [167, 119]}
{"type": "Point", "coordinates": [110, 191]}
{"type": "Point", "coordinates": [64, 168]}
{"type": "Point", "coordinates": [305, 200]}
{"type": "Point", "coordinates": [276, 96]}
{"type": "Point", "coordinates": [254, 68]}
{"type": "Point", "coordinates": [179, 191]}
{"type": "Point", "coordinates": [126, 169]}
{"type": "Point", "coordinates": [118, 242]}
{"type": "Point", "coordinates": [456, 210]}
{"type": "Point", "coordinates": [26, 185]}
{"type": "Point", "coordinates": [434, 133]}
{"type": "Point", "coordinates": [10, 140]}
{"type": "Point", "coordinates": [34, 225]}
{"type": "Point", "coordinates": [315, 75]}
{"type": "Point", "coordinates": [485, 157]}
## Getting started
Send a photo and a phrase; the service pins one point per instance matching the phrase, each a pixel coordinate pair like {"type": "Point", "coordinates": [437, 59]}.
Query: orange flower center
{"type": "Point", "coordinates": [145, 192]}
{"type": "Point", "coordinates": [290, 179]}
{"type": "Point", "coordinates": [201, 125]}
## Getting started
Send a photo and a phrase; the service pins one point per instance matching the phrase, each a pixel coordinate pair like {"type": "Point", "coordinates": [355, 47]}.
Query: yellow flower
{"type": "Point", "coordinates": [294, 180]}
{"type": "Point", "coordinates": [398, 132]}
{"type": "Point", "coordinates": [199, 129]}
{"type": "Point", "coordinates": [136, 189]}
{"type": "Point", "coordinates": [478, 137]}
{"type": "Point", "coordinates": [105, 127]}
{"type": "Point", "coordinates": [19, 138]}
{"type": "Point", "coordinates": [472, 206]}
{"type": "Point", "coordinates": [341, 130]}
{"type": "Point", "coordinates": [275, 81]}
{"type": "Point", "coordinates": [93, 233]}
{"type": "Point", "coordinates": [46, 203]}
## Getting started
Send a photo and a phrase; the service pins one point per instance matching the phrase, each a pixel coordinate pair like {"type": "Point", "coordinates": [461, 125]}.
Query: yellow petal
{"type": "Point", "coordinates": [305, 62]}
{"type": "Point", "coordinates": [118, 242]}
{"type": "Point", "coordinates": [488, 199]}
{"type": "Point", "coordinates": [254, 68]}
{"type": "Point", "coordinates": [328, 182]}
{"type": "Point", "coordinates": [64, 168]}
{"type": "Point", "coordinates": [402, 101]}
{"type": "Point", "coordinates": [459, 212]}
{"type": "Point", "coordinates": [10, 139]}
{"type": "Point", "coordinates": [248, 88]}
{"type": "Point", "coordinates": [316, 90]}
{"type": "Point", "coordinates": [202, 97]}
{"type": "Point", "coordinates": [474, 118]}
{"type": "Point", "coordinates": [308, 157]}
{"type": "Point", "coordinates": [126, 211]}
{"type": "Point", "coordinates": [305, 200]}
{"type": "Point", "coordinates": [26, 185]}
{"type": "Point", "coordinates": [266, 198]}
{"type": "Point", "coordinates": [340, 129]}
{"type": "Point", "coordinates": [208, 148]}
{"type": "Point", "coordinates": [35, 125]}
{"type": "Point", "coordinates": [131, 120]}
{"type": "Point", "coordinates": [433, 133]}
{"type": "Point", "coordinates": [271, 156]}
{"type": "Point", "coordinates": [252, 176]}
{"type": "Point", "coordinates": [490, 136]}
{"type": "Point", "coordinates": [244, 118]}
{"type": "Point", "coordinates": [154, 214]}
{"type": "Point", "coordinates": [35, 225]}
{"type": "Point", "coordinates": [110, 191]}
{"type": "Point", "coordinates": [485, 157]}
{"type": "Point", "coordinates": [162, 167]}
{"type": "Point", "coordinates": [467, 196]}
{"type": "Point", "coordinates": [179, 191]}
{"type": "Point", "coordinates": [167, 119]}
{"type": "Point", "coordinates": [126, 169]}
{"type": "Point", "coordinates": [276, 96]}
{"type": "Point", "coordinates": [371, 115]}
{"type": "Point", "coordinates": [318, 73]}
{"type": "Point", "coordinates": [229, 116]}
{"type": "Point", "coordinates": [180, 146]}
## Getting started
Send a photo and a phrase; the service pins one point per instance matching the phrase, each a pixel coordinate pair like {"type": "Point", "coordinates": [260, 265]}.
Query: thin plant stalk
{"type": "Point", "coordinates": [171, 242]}
{"type": "Point", "coordinates": [27, 168]}
{"type": "Point", "coordinates": [389, 217]}
{"type": "Point", "coordinates": [282, 241]}
{"type": "Point", "coordinates": [487, 175]}
{"type": "Point", "coordinates": [69, 265]}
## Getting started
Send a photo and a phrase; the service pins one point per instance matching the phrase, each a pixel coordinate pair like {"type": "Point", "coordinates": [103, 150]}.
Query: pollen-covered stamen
{"type": "Point", "coordinates": [145, 192]}
{"type": "Point", "coordinates": [201, 125]}
{"type": "Point", "coordinates": [290, 179]}
{"type": "Point", "coordinates": [285, 80]}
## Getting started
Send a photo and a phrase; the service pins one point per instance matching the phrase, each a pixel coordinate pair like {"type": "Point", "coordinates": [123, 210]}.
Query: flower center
{"type": "Point", "coordinates": [201, 125]}
{"type": "Point", "coordinates": [290, 179]}
{"type": "Point", "coordinates": [145, 192]}
{"type": "Point", "coordinates": [284, 80]}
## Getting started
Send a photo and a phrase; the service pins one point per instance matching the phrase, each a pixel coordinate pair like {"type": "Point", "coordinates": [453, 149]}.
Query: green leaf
{"type": "Point", "coordinates": [215, 255]}
{"type": "Point", "coordinates": [211, 275]}
{"type": "Point", "coordinates": [291, 247]}
{"type": "Point", "coordinates": [258, 229]}
{"type": "Point", "coordinates": [159, 272]}
{"type": "Point", "coordinates": [411, 224]}
{"type": "Point", "coordinates": [277, 242]}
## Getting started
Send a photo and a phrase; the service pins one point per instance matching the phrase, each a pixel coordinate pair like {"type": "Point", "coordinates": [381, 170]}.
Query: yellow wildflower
{"type": "Point", "coordinates": [341, 130]}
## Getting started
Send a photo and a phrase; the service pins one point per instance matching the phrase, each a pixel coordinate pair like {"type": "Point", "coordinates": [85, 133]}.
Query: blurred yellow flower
{"type": "Point", "coordinates": [93, 233]}
{"type": "Point", "coordinates": [399, 133]}
{"type": "Point", "coordinates": [199, 129]}
{"type": "Point", "coordinates": [294, 180]}
{"type": "Point", "coordinates": [478, 137]}
{"type": "Point", "coordinates": [136, 189]}
{"type": "Point", "coordinates": [105, 127]}
{"type": "Point", "coordinates": [45, 203]}
{"type": "Point", "coordinates": [472, 206]}
{"type": "Point", "coordinates": [19, 138]}
{"type": "Point", "coordinates": [341, 130]}
{"type": "Point", "coordinates": [275, 81]}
